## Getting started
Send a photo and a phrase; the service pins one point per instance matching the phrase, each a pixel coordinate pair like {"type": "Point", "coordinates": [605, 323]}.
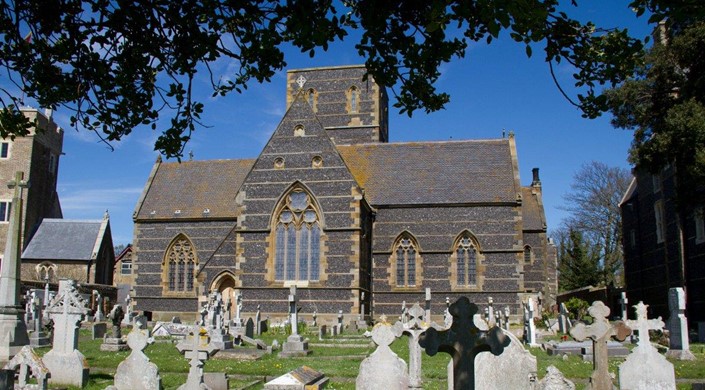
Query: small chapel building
{"type": "Point", "coordinates": [354, 221]}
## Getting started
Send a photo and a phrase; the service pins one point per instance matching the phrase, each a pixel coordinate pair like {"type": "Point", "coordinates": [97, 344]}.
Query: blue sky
{"type": "Point", "coordinates": [494, 88]}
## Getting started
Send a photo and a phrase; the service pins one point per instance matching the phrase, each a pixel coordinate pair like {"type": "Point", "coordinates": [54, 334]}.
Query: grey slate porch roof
{"type": "Point", "coordinates": [64, 239]}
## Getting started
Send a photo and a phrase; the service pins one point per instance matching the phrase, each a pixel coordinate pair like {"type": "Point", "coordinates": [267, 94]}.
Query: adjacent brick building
{"type": "Point", "coordinates": [656, 255]}
{"type": "Point", "coordinates": [331, 207]}
{"type": "Point", "coordinates": [37, 155]}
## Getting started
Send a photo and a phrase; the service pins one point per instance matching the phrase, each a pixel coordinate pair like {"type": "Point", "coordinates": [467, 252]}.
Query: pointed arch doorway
{"type": "Point", "coordinates": [225, 285]}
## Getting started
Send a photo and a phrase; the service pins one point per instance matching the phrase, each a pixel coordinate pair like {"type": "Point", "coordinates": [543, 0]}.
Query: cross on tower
{"type": "Point", "coordinates": [463, 341]}
{"type": "Point", "coordinates": [600, 331]}
{"type": "Point", "coordinates": [301, 80]}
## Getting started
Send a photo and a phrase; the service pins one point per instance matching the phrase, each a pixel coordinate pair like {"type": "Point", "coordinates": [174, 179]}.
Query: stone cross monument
{"type": "Point", "coordinates": [295, 345]}
{"type": "Point", "coordinates": [67, 364]}
{"type": "Point", "coordinates": [645, 368]}
{"type": "Point", "coordinates": [12, 326]}
{"type": "Point", "coordinates": [600, 331]}
{"type": "Point", "coordinates": [414, 328]}
{"type": "Point", "coordinates": [197, 348]}
{"type": "Point", "coordinates": [463, 341]}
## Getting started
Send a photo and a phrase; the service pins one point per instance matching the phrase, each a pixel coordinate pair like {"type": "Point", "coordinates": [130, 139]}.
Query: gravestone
{"type": "Point", "coordinates": [463, 341]}
{"type": "Point", "coordinates": [170, 329]}
{"type": "Point", "coordinates": [258, 322]}
{"type": "Point", "coordinates": [491, 320]}
{"type": "Point", "coordinates": [237, 321]}
{"type": "Point", "coordinates": [136, 372]}
{"type": "Point", "coordinates": [447, 318]}
{"type": "Point", "coordinates": [404, 318]}
{"type": "Point", "coordinates": [99, 316]}
{"type": "Point", "coordinates": [66, 363]}
{"type": "Point", "coordinates": [414, 328]}
{"type": "Point", "coordinates": [98, 330]}
{"type": "Point", "coordinates": [623, 301]}
{"type": "Point", "coordinates": [322, 331]}
{"type": "Point", "coordinates": [30, 365]}
{"type": "Point", "coordinates": [249, 328]}
{"type": "Point", "coordinates": [28, 311]}
{"type": "Point", "coordinates": [529, 325]}
{"type": "Point", "coordinates": [129, 314]}
{"type": "Point", "coordinates": [645, 368]}
{"type": "Point", "coordinates": [115, 343]}
{"type": "Point", "coordinates": [554, 380]}
{"type": "Point", "coordinates": [507, 312]}
{"type": "Point", "coordinates": [303, 377]}
{"type": "Point", "coordinates": [38, 338]}
{"type": "Point", "coordinates": [564, 323]}
{"type": "Point", "coordinates": [515, 368]}
{"type": "Point", "coordinates": [12, 326]}
{"type": "Point", "coordinates": [678, 326]}
{"type": "Point", "coordinates": [295, 345]}
{"type": "Point", "coordinates": [383, 369]}
{"type": "Point", "coordinates": [314, 317]}
{"type": "Point", "coordinates": [600, 331]}
{"type": "Point", "coordinates": [197, 348]}
{"type": "Point", "coordinates": [219, 336]}
{"type": "Point", "coordinates": [216, 380]}
{"type": "Point", "coordinates": [427, 313]}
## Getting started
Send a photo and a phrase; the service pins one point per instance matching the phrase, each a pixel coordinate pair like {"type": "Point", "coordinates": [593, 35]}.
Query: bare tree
{"type": "Point", "coordinates": [593, 202]}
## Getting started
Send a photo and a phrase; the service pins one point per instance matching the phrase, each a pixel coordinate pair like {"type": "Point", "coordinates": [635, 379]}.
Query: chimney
{"type": "Point", "coordinates": [536, 182]}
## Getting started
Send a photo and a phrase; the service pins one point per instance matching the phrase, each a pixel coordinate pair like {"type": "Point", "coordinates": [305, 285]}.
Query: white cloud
{"type": "Point", "coordinates": [80, 201]}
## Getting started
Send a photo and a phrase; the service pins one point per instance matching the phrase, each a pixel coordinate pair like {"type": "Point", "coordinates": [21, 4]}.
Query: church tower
{"type": "Point", "coordinates": [351, 110]}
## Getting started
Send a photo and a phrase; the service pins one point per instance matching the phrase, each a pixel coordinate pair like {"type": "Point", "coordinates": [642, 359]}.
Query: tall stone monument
{"type": "Point", "coordinates": [678, 326]}
{"type": "Point", "coordinates": [13, 330]}
{"type": "Point", "coordinates": [295, 345]}
{"type": "Point", "coordinates": [197, 348]}
{"type": "Point", "coordinates": [67, 364]}
{"type": "Point", "coordinates": [414, 328]}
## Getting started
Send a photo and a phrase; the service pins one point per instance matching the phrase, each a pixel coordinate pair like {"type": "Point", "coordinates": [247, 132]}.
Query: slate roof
{"type": "Point", "coordinates": [193, 186]}
{"type": "Point", "coordinates": [631, 192]}
{"type": "Point", "coordinates": [474, 171]}
{"type": "Point", "coordinates": [532, 211]}
{"type": "Point", "coordinates": [65, 239]}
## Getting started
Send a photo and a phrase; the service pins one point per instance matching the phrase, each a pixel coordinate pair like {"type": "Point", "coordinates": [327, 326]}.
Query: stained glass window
{"type": "Point", "coordinates": [297, 252]}
{"type": "Point", "coordinates": [181, 265]}
{"type": "Point", "coordinates": [466, 262]}
{"type": "Point", "coordinates": [406, 263]}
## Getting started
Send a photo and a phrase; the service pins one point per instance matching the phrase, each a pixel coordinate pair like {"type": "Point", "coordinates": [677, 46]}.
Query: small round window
{"type": "Point", "coordinates": [317, 162]}
{"type": "Point", "coordinates": [279, 162]}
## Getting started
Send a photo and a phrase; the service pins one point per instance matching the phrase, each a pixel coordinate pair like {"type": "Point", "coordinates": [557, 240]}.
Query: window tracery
{"type": "Point", "coordinates": [466, 267]}
{"type": "Point", "coordinates": [406, 260]}
{"type": "Point", "coordinates": [297, 239]}
{"type": "Point", "coordinates": [181, 262]}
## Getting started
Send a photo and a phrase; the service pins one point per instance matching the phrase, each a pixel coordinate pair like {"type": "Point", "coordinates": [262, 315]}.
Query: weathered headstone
{"type": "Point", "coordinates": [314, 317]}
{"type": "Point", "coordinates": [404, 318]}
{"type": "Point", "coordinates": [129, 314]}
{"type": "Point", "coordinates": [645, 368]}
{"type": "Point", "coordinates": [13, 329]}
{"type": "Point", "coordinates": [554, 380]}
{"type": "Point", "coordinates": [303, 377]}
{"type": "Point", "coordinates": [515, 368]}
{"type": "Point", "coordinates": [197, 348]}
{"type": "Point", "coordinates": [98, 316]}
{"type": "Point", "coordinates": [66, 363]}
{"type": "Point", "coordinates": [216, 380]}
{"type": "Point", "coordinates": [136, 372]}
{"type": "Point", "coordinates": [678, 326]}
{"type": "Point", "coordinates": [414, 328]}
{"type": "Point", "coordinates": [463, 341]}
{"type": "Point", "coordinates": [600, 331]}
{"type": "Point", "coordinates": [447, 318]}
{"type": "Point", "coordinates": [98, 330]}
{"type": "Point", "coordinates": [258, 322]}
{"type": "Point", "coordinates": [140, 321]}
{"type": "Point", "coordinates": [295, 345]}
{"type": "Point", "coordinates": [383, 369]}
{"type": "Point", "coordinates": [249, 328]}
{"type": "Point", "coordinates": [30, 365]}
{"type": "Point", "coordinates": [563, 319]}
{"type": "Point", "coordinates": [507, 312]}
{"type": "Point", "coordinates": [529, 325]}
{"type": "Point", "coordinates": [38, 338]}
{"type": "Point", "coordinates": [219, 336]}
{"type": "Point", "coordinates": [427, 313]}
{"type": "Point", "coordinates": [623, 301]}
{"type": "Point", "coordinates": [170, 329]}
{"type": "Point", "coordinates": [491, 320]}
{"type": "Point", "coordinates": [322, 331]}
{"type": "Point", "coordinates": [115, 343]}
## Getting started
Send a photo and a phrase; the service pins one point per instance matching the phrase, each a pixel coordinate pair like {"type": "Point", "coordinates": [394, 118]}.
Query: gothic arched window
{"type": "Point", "coordinates": [465, 263]}
{"type": "Point", "coordinates": [297, 229]}
{"type": "Point", "coordinates": [312, 98]}
{"type": "Point", "coordinates": [406, 260]}
{"type": "Point", "coordinates": [353, 99]}
{"type": "Point", "coordinates": [180, 264]}
{"type": "Point", "coordinates": [527, 254]}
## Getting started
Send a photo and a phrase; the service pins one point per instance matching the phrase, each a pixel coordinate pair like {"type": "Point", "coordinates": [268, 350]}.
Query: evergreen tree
{"type": "Point", "coordinates": [578, 261]}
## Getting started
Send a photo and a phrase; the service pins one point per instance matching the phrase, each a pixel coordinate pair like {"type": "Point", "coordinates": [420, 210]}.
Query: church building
{"type": "Point", "coordinates": [353, 221]}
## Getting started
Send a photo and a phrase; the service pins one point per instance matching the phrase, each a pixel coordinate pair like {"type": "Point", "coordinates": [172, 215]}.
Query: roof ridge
{"type": "Point", "coordinates": [432, 142]}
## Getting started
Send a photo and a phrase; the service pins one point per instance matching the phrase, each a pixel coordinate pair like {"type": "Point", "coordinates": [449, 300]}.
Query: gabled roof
{"type": "Point", "coordinates": [455, 172]}
{"type": "Point", "coordinates": [65, 239]}
{"type": "Point", "coordinates": [184, 190]}
{"type": "Point", "coordinates": [532, 210]}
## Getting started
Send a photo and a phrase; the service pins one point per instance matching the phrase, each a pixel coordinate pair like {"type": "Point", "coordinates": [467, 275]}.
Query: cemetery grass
{"type": "Point", "coordinates": [340, 363]}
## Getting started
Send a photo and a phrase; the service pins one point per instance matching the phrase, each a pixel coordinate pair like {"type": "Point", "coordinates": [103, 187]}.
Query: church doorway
{"type": "Point", "coordinates": [225, 285]}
